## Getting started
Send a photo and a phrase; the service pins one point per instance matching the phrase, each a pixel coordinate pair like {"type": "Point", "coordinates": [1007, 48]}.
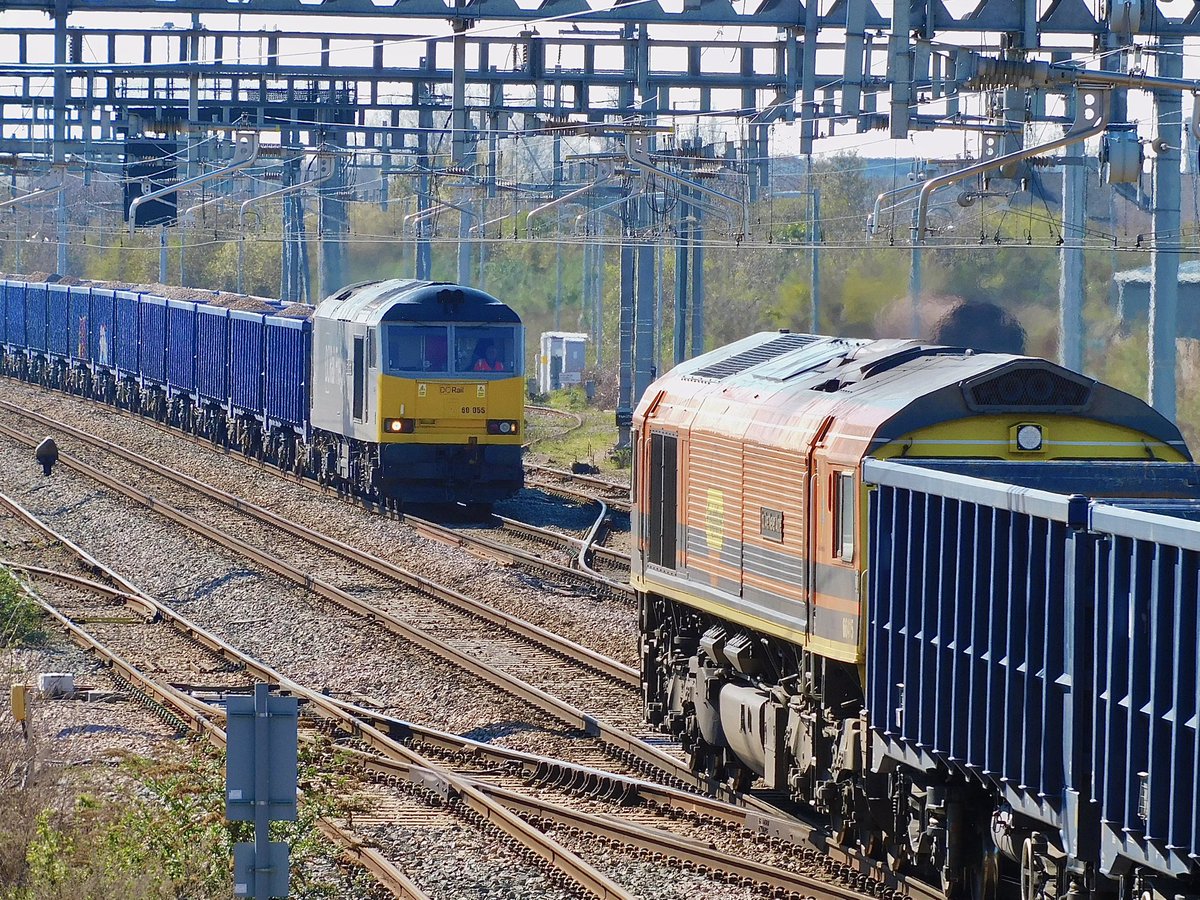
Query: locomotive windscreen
{"type": "Point", "coordinates": [416, 348]}
{"type": "Point", "coordinates": [451, 349]}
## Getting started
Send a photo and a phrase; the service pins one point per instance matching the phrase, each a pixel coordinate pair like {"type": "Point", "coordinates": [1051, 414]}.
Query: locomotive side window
{"type": "Point", "coordinates": [485, 348]}
{"type": "Point", "coordinates": [413, 348]}
{"type": "Point", "coordinates": [846, 502]}
{"type": "Point", "coordinates": [662, 476]}
{"type": "Point", "coordinates": [633, 470]}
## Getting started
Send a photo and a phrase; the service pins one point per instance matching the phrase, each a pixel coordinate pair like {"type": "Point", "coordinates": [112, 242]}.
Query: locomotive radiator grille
{"type": "Point", "coordinates": [1029, 389]}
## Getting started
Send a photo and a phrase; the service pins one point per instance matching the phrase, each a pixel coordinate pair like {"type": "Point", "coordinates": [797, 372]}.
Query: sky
{"type": "Point", "coordinates": [785, 139]}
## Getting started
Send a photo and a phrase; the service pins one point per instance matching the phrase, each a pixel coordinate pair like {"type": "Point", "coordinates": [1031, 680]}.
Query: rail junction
{"type": "Point", "coordinates": [642, 131]}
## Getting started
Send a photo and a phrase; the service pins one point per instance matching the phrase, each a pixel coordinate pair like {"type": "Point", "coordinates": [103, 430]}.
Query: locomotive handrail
{"type": "Point", "coordinates": [1145, 518]}
{"type": "Point", "coordinates": [1145, 525]}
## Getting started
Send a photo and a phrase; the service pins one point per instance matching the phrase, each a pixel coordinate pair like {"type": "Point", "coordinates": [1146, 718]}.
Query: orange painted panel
{"type": "Point", "coordinates": [713, 514]}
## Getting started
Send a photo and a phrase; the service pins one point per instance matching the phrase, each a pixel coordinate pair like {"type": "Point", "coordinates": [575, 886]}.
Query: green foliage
{"type": "Point", "coordinates": [571, 398]}
{"type": "Point", "coordinates": [1005, 250]}
{"type": "Point", "coordinates": [170, 841]}
{"type": "Point", "coordinates": [591, 443]}
{"type": "Point", "coordinates": [21, 619]}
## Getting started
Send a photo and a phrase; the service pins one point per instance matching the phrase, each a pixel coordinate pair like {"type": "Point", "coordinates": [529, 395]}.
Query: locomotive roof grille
{"type": "Point", "coordinates": [1028, 388]}
{"type": "Point", "coordinates": [739, 362]}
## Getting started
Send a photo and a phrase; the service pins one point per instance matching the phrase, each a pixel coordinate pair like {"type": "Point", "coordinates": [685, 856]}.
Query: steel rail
{"type": "Point", "coordinates": [570, 493]}
{"type": "Point", "coordinates": [590, 540]}
{"type": "Point", "coordinates": [742, 810]}
{"type": "Point", "coordinates": [507, 554]}
{"type": "Point", "coordinates": [620, 502]}
{"type": "Point", "coordinates": [563, 541]}
{"type": "Point", "coordinates": [197, 715]}
{"type": "Point", "coordinates": [753, 813]}
{"type": "Point", "coordinates": [491, 549]}
{"type": "Point", "coordinates": [561, 413]}
{"type": "Point", "coordinates": [372, 860]}
{"type": "Point", "coordinates": [187, 708]}
{"type": "Point", "coordinates": [687, 850]}
{"type": "Point", "coordinates": [510, 623]}
{"type": "Point", "coordinates": [769, 816]}
{"type": "Point", "coordinates": [753, 816]}
{"type": "Point", "coordinates": [491, 811]}
{"type": "Point", "coordinates": [601, 483]}
{"type": "Point", "coordinates": [614, 737]}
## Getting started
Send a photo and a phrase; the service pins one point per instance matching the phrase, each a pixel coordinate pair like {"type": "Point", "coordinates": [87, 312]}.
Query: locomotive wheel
{"type": "Point", "coordinates": [1027, 884]}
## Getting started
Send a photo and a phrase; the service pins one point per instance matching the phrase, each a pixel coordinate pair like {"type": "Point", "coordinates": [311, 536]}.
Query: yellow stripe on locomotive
{"type": "Point", "coordinates": [444, 410]}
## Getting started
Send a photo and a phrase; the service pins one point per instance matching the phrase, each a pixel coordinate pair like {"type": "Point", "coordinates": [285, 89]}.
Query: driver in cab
{"type": "Point", "coordinates": [486, 359]}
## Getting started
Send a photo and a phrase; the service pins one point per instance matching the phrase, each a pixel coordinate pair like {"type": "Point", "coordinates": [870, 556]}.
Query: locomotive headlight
{"type": "Point", "coordinates": [399, 426]}
{"type": "Point", "coordinates": [502, 426]}
{"type": "Point", "coordinates": [505, 427]}
{"type": "Point", "coordinates": [1028, 438]}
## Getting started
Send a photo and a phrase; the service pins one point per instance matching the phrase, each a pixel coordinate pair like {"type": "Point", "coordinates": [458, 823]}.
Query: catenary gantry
{"type": "Point", "coordinates": [844, 66]}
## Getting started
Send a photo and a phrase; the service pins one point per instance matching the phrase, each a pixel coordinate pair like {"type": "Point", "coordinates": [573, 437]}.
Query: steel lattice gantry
{"type": "Point", "coordinates": [902, 69]}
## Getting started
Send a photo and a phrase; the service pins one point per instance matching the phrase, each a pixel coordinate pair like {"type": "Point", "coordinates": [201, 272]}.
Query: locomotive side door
{"type": "Point", "coordinates": [835, 557]}
{"type": "Point", "coordinates": [362, 377]}
{"type": "Point", "coordinates": [358, 380]}
{"type": "Point", "coordinates": [815, 518]}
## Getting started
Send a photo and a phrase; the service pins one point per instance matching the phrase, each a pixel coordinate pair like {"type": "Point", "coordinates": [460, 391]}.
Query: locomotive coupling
{"type": "Point", "coordinates": [46, 454]}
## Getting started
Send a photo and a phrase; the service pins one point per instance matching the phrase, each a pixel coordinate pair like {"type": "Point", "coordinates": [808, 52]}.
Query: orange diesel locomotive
{"type": "Point", "coordinates": [751, 544]}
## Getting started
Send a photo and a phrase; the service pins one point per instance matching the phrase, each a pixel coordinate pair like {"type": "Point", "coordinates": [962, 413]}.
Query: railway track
{"type": "Point", "coordinates": [536, 666]}
{"type": "Point", "coordinates": [141, 635]}
{"type": "Point", "coordinates": [492, 785]}
{"type": "Point", "coordinates": [608, 576]}
{"type": "Point", "coordinates": [756, 807]}
{"type": "Point", "coordinates": [574, 422]}
{"type": "Point", "coordinates": [577, 551]}
{"type": "Point", "coordinates": [579, 487]}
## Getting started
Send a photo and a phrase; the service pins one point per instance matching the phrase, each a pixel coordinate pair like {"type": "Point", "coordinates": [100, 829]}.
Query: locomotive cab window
{"type": "Point", "coordinates": [417, 348]}
{"type": "Point", "coordinates": [845, 502]}
{"type": "Point", "coordinates": [485, 348]}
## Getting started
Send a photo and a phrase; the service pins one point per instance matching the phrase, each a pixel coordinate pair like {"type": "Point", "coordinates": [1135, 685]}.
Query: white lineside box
{"type": "Point", "coordinates": [56, 684]}
{"type": "Point", "coordinates": [562, 360]}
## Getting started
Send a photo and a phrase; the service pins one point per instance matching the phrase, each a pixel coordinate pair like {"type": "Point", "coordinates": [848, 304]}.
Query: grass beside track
{"type": "Point", "coordinates": [119, 825]}
{"type": "Point", "coordinates": [591, 443]}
